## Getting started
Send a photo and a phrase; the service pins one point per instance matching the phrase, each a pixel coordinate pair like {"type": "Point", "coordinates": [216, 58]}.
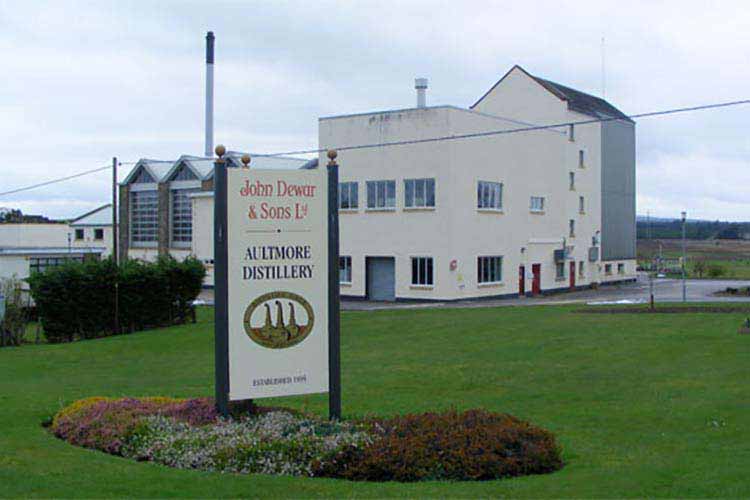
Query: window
{"type": "Point", "coordinates": [620, 268]}
{"type": "Point", "coordinates": [381, 194]}
{"type": "Point", "coordinates": [143, 177]}
{"type": "Point", "coordinates": [559, 270]}
{"type": "Point", "coordinates": [41, 264]}
{"type": "Point", "coordinates": [581, 155]}
{"type": "Point", "coordinates": [607, 269]}
{"type": "Point", "coordinates": [143, 216]}
{"type": "Point", "coordinates": [183, 174]}
{"type": "Point", "coordinates": [537, 204]}
{"type": "Point", "coordinates": [79, 234]}
{"type": "Point", "coordinates": [572, 225]}
{"type": "Point", "coordinates": [421, 271]}
{"type": "Point", "coordinates": [98, 234]}
{"type": "Point", "coordinates": [572, 177]}
{"type": "Point", "coordinates": [419, 193]}
{"type": "Point", "coordinates": [489, 195]}
{"type": "Point", "coordinates": [490, 269]}
{"type": "Point", "coordinates": [182, 216]}
{"type": "Point", "coordinates": [581, 204]}
{"type": "Point", "coordinates": [580, 268]}
{"type": "Point", "coordinates": [571, 133]}
{"type": "Point", "coordinates": [348, 195]}
{"type": "Point", "coordinates": [345, 269]}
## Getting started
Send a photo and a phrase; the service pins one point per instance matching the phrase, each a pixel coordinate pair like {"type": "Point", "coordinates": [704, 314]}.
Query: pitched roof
{"type": "Point", "coordinates": [203, 167]}
{"type": "Point", "coordinates": [578, 101]}
{"type": "Point", "coordinates": [101, 216]}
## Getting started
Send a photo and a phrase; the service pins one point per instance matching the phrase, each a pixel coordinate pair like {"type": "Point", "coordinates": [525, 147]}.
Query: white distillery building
{"type": "Point", "coordinates": [498, 215]}
{"type": "Point", "coordinates": [29, 247]}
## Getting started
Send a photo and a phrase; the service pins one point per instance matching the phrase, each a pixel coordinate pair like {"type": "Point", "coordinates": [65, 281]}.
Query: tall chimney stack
{"type": "Point", "coordinates": [209, 94]}
{"type": "Point", "coordinates": [421, 85]}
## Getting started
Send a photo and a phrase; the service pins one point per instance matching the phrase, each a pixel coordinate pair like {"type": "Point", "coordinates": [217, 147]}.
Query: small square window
{"type": "Point", "coordinates": [620, 268]}
{"type": "Point", "coordinates": [348, 195]}
{"type": "Point", "coordinates": [79, 234]}
{"type": "Point", "coordinates": [560, 270]}
{"type": "Point", "coordinates": [537, 204]}
{"type": "Point", "coordinates": [99, 234]}
{"type": "Point", "coordinates": [489, 195]}
{"type": "Point", "coordinates": [608, 269]}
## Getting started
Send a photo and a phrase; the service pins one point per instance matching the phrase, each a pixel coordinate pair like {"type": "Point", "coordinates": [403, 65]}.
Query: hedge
{"type": "Point", "coordinates": [77, 299]}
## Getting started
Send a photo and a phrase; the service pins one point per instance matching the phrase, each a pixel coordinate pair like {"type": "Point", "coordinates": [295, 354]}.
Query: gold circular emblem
{"type": "Point", "coordinates": [284, 332]}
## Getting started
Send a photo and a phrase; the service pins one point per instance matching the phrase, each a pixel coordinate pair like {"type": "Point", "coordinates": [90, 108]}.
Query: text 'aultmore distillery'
{"type": "Point", "coordinates": [266, 253]}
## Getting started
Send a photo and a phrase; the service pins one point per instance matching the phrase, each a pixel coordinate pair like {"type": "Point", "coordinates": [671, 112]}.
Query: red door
{"type": "Point", "coordinates": [536, 282]}
{"type": "Point", "coordinates": [572, 275]}
{"type": "Point", "coordinates": [522, 280]}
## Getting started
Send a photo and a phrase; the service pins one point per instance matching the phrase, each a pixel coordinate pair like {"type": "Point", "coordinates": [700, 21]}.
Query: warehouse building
{"type": "Point", "coordinates": [504, 214]}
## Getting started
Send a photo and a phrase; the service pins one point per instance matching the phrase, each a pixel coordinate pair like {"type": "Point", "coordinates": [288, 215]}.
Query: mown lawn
{"type": "Point", "coordinates": [644, 405]}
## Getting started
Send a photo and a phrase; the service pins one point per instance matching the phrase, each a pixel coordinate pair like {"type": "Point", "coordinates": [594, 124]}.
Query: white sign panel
{"type": "Point", "coordinates": [277, 274]}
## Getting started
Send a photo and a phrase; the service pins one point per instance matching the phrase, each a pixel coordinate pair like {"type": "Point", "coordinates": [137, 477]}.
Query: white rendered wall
{"type": "Point", "coordinates": [88, 240]}
{"type": "Point", "coordinates": [34, 235]}
{"type": "Point", "coordinates": [534, 163]}
{"type": "Point", "coordinates": [14, 266]}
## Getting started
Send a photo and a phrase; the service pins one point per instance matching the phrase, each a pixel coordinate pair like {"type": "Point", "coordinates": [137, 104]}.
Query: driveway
{"type": "Point", "coordinates": [665, 290]}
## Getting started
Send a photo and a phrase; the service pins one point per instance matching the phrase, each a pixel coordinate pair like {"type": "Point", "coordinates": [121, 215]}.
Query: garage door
{"type": "Point", "coordinates": [381, 278]}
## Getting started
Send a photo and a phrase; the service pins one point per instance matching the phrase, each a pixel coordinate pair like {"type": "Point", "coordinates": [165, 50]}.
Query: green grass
{"type": "Point", "coordinates": [644, 405]}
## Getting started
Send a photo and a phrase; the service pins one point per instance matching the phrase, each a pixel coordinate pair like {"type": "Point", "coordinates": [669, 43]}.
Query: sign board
{"type": "Point", "coordinates": [274, 267]}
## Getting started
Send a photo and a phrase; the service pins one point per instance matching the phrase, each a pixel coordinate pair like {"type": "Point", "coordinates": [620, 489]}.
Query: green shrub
{"type": "Point", "coordinates": [13, 324]}
{"type": "Point", "coordinates": [473, 445]}
{"type": "Point", "coordinates": [715, 271]}
{"type": "Point", "coordinates": [77, 299]}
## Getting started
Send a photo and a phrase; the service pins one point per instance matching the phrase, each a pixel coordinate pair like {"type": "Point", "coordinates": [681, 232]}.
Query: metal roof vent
{"type": "Point", "coordinates": [421, 85]}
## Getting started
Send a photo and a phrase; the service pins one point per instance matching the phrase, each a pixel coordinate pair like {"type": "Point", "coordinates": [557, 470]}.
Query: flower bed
{"type": "Point", "coordinates": [188, 434]}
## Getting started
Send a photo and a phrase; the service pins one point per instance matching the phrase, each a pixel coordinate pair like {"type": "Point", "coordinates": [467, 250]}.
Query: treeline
{"type": "Point", "coordinates": [694, 229]}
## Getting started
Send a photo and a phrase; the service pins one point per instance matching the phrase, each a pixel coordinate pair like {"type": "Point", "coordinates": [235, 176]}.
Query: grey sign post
{"type": "Point", "coordinates": [334, 345]}
{"type": "Point", "coordinates": [221, 322]}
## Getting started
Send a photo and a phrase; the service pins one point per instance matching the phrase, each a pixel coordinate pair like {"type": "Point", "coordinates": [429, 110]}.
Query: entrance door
{"type": "Point", "coordinates": [381, 278]}
{"type": "Point", "coordinates": [572, 275]}
{"type": "Point", "coordinates": [522, 280]}
{"type": "Point", "coordinates": [536, 282]}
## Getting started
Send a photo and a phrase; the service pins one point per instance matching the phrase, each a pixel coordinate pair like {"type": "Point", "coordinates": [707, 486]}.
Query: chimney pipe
{"type": "Point", "coordinates": [209, 152]}
{"type": "Point", "coordinates": [421, 85]}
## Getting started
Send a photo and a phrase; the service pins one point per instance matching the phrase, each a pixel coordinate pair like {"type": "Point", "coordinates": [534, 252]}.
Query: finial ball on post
{"type": "Point", "coordinates": [220, 150]}
{"type": "Point", "coordinates": [332, 154]}
{"type": "Point", "coordinates": [246, 160]}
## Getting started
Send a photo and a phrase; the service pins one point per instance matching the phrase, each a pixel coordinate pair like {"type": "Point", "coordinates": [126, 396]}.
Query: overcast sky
{"type": "Point", "coordinates": [85, 81]}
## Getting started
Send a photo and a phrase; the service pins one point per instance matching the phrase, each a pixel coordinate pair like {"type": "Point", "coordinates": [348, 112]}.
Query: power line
{"type": "Point", "coordinates": [516, 130]}
{"type": "Point", "coordinates": [54, 181]}
{"type": "Point", "coordinates": [431, 139]}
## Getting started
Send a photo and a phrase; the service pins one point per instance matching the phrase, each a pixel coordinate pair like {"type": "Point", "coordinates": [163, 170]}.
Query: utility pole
{"type": "Point", "coordinates": [684, 257]}
{"type": "Point", "coordinates": [115, 256]}
{"type": "Point", "coordinates": [114, 210]}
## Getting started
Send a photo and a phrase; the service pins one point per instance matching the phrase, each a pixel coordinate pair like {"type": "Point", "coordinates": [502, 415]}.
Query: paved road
{"type": "Point", "coordinates": [665, 290]}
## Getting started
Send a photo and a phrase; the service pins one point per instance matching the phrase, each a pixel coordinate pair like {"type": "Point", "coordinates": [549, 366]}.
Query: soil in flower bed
{"type": "Point", "coordinates": [189, 434]}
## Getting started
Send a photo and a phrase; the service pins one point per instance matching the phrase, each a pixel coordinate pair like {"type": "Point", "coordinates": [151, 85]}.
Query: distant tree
{"type": "Point", "coordinates": [699, 266]}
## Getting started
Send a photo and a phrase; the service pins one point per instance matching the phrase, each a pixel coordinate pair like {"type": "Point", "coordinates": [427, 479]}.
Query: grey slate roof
{"type": "Point", "coordinates": [578, 101]}
{"type": "Point", "coordinates": [582, 102]}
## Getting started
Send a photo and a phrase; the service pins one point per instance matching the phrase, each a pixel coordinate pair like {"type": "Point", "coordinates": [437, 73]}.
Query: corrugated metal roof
{"type": "Point", "coordinates": [50, 250]}
{"type": "Point", "coordinates": [203, 167]}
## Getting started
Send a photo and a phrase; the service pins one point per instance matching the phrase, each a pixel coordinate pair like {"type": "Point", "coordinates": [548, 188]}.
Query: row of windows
{"type": "Point", "coordinates": [41, 264]}
{"type": "Point", "coordinates": [489, 270]}
{"type": "Point", "coordinates": [420, 193]}
{"type": "Point", "coordinates": [81, 234]}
